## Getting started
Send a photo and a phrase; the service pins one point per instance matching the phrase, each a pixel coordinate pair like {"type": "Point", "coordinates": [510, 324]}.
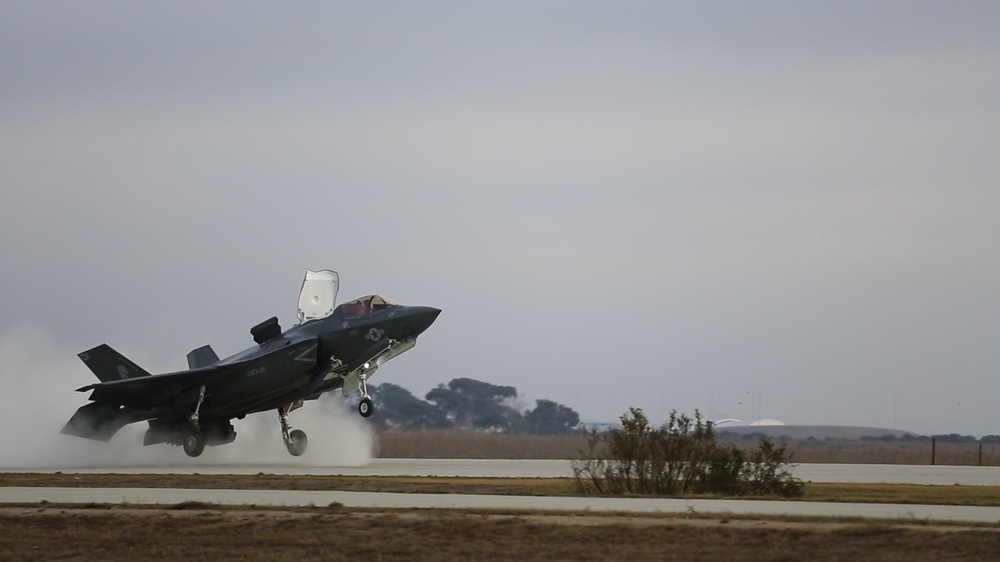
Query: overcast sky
{"type": "Point", "coordinates": [784, 210]}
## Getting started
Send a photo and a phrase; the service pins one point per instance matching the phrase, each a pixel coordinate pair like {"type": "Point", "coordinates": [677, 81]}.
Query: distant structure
{"type": "Point", "coordinates": [767, 421]}
{"type": "Point", "coordinates": [599, 427]}
{"type": "Point", "coordinates": [778, 429]}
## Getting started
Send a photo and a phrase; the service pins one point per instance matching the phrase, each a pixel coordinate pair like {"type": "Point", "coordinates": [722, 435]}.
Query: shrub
{"type": "Point", "coordinates": [680, 457]}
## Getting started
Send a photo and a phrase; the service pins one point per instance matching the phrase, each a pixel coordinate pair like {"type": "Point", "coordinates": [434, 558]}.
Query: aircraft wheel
{"type": "Point", "coordinates": [366, 407]}
{"type": "Point", "coordinates": [194, 443]}
{"type": "Point", "coordinates": [297, 442]}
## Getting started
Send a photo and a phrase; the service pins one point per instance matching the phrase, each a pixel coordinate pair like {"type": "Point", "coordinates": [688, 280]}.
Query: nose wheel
{"type": "Point", "coordinates": [295, 440]}
{"type": "Point", "coordinates": [366, 407]}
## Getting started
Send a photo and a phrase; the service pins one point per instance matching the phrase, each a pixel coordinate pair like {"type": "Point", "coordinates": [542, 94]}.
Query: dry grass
{"type": "Point", "coordinates": [457, 445]}
{"type": "Point", "coordinates": [903, 493]}
{"type": "Point", "coordinates": [357, 534]}
{"type": "Point", "coordinates": [880, 493]}
{"type": "Point", "coordinates": [471, 445]}
{"type": "Point", "coordinates": [400, 484]}
{"type": "Point", "coordinates": [875, 452]}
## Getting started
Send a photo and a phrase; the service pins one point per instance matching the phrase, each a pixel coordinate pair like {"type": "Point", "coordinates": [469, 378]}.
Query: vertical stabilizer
{"type": "Point", "coordinates": [202, 357]}
{"type": "Point", "coordinates": [109, 365]}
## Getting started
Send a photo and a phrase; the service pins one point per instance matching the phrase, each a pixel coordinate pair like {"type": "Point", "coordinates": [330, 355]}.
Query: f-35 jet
{"type": "Point", "coordinates": [330, 348]}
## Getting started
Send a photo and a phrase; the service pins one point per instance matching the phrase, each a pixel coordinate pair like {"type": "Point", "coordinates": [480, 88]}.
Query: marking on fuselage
{"type": "Point", "coordinates": [304, 356]}
{"type": "Point", "coordinates": [257, 371]}
{"type": "Point", "coordinates": [375, 334]}
{"type": "Point", "coordinates": [122, 372]}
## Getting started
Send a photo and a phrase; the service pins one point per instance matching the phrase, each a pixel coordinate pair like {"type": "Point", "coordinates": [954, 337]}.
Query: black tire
{"type": "Point", "coordinates": [194, 443]}
{"type": "Point", "coordinates": [366, 408]}
{"type": "Point", "coordinates": [297, 442]}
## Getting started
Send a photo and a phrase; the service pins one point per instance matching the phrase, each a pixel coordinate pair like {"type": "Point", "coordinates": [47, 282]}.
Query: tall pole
{"type": "Point", "coordinates": [895, 405]}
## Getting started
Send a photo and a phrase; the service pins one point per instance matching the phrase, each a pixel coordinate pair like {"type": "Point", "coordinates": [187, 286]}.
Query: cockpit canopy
{"type": "Point", "coordinates": [318, 294]}
{"type": "Point", "coordinates": [364, 306]}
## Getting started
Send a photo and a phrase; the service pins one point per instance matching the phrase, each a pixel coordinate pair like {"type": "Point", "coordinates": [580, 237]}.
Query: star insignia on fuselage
{"type": "Point", "coordinates": [375, 334]}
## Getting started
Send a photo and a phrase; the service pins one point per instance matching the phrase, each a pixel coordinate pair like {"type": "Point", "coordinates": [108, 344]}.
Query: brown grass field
{"type": "Point", "coordinates": [455, 445]}
{"type": "Point", "coordinates": [195, 532]}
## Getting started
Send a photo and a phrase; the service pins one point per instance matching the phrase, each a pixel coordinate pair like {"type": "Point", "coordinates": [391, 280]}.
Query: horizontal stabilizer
{"type": "Point", "coordinates": [99, 421]}
{"type": "Point", "coordinates": [202, 357]}
{"type": "Point", "coordinates": [109, 365]}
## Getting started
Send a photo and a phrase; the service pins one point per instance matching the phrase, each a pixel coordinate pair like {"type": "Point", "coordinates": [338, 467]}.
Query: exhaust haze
{"type": "Point", "coordinates": [38, 379]}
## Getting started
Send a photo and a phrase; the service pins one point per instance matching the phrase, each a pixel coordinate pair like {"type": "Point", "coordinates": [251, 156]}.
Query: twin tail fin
{"type": "Point", "coordinates": [109, 365]}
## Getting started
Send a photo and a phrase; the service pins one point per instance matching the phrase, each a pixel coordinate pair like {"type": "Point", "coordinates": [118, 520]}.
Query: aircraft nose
{"type": "Point", "coordinates": [419, 318]}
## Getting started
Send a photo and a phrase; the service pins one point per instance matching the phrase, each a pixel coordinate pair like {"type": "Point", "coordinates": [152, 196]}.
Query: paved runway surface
{"type": "Point", "coordinates": [845, 473]}
{"type": "Point", "coordinates": [903, 513]}
{"type": "Point", "coordinates": [929, 475]}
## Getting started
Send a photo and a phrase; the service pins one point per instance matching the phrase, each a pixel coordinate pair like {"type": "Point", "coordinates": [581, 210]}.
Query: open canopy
{"type": "Point", "coordinates": [366, 305]}
{"type": "Point", "coordinates": [318, 294]}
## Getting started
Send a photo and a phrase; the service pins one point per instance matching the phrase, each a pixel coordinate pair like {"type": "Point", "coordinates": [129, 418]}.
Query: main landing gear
{"type": "Point", "coordinates": [194, 441]}
{"type": "Point", "coordinates": [295, 439]}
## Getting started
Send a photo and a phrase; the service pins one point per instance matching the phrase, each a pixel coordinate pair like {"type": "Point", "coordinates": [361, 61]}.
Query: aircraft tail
{"type": "Point", "coordinates": [100, 421]}
{"type": "Point", "coordinates": [202, 357]}
{"type": "Point", "coordinates": [109, 365]}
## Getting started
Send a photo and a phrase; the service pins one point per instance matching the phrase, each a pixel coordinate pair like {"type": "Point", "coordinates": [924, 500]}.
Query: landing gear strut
{"type": "Point", "coordinates": [295, 440]}
{"type": "Point", "coordinates": [366, 407]}
{"type": "Point", "coordinates": [194, 441]}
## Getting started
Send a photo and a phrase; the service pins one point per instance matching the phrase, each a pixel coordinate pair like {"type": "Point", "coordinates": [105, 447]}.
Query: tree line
{"type": "Point", "coordinates": [466, 404]}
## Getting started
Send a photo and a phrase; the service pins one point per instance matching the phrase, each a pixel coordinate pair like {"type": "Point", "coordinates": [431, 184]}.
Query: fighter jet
{"type": "Point", "coordinates": [329, 348]}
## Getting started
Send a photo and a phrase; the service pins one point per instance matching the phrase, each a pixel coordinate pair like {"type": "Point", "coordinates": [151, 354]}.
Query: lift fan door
{"type": "Point", "coordinates": [318, 296]}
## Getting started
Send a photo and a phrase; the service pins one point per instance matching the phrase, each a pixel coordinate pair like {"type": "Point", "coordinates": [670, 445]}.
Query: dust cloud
{"type": "Point", "coordinates": [37, 383]}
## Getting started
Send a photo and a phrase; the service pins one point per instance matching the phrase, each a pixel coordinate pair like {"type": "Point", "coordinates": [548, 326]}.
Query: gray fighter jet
{"type": "Point", "coordinates": [329, 348]}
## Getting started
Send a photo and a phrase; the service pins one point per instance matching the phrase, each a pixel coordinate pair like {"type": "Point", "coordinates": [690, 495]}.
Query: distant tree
{"type": "Point", "coordinates": [990, 439]}
{"type": "Point", "coordinates": [549, 417]}
{"type": "Point", "coordinates": [398, 408]}
{"type": "Point", "coordinates": [954, 438]}
{"type": "Point", "coordinates": [476, 405]}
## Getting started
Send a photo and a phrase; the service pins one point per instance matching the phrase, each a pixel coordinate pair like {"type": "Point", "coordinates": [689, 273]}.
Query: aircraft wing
{"type": "Point", "coordinates": [145, 393]}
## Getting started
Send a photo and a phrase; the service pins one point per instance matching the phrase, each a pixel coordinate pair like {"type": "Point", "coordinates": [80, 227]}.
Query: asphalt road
{"type": "Point", "coordinates": [899, 512]}
{"type": "Point", "coordinates": [843, 473]}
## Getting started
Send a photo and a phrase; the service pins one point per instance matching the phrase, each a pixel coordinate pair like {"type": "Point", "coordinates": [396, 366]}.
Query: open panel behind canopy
{"type": "Point", "coordinates": [318, 296]}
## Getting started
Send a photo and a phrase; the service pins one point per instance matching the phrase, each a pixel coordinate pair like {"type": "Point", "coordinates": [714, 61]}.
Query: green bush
{"type": "Point", "coordinates": [681, 457]}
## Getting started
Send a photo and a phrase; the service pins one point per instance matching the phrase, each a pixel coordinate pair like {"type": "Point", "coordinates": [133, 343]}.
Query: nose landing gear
{"type": "Point", "coordinates": [366, 407]}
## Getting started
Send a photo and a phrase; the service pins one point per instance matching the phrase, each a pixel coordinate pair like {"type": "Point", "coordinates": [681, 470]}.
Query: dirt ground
{"type": "Point", "coordinates": [192, 532]}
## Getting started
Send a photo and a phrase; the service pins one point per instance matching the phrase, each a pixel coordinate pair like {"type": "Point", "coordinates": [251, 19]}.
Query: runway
{"type": "Point", "coordinates": [164, 496]}
{"type": "Point", "coordinates": [927, 475]}
{"type": "Point", "coordinates": [490, 468]}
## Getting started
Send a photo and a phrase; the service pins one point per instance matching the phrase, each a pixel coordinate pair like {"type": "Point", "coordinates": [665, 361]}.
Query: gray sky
{"type": "Point", "coordinates": [777, 206]}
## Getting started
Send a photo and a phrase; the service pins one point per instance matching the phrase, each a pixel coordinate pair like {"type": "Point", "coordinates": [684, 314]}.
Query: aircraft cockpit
{"type": "Point", "coordinates": [365, 306]}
